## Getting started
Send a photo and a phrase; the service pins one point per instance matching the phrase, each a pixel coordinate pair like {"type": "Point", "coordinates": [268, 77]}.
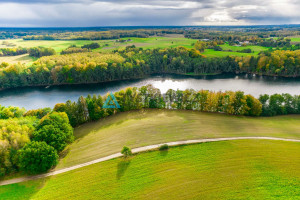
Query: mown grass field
{"type": "Point", "coordinates": [57, 45]}
{"type": "Point", "coordinates": [256, 49]}
{"type": "Point", "coordinates": [213, 53]}
{"type": "Point", "coordinates": [23, 59]}
{"type": "Point", "coordinates": [242, 169]}
{"type": "Point", "coordinates": [142, 128]}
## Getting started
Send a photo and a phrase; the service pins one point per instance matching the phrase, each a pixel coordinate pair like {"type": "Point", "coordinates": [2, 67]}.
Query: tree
{"type": "Point", "coordinates": [126, 151]}
{"type": "Point", "coordinates": [37, 157]}
{"type": "Point", "coordinates": [55, 130]}
{"type": "Point", "coordinates": [200, 45]}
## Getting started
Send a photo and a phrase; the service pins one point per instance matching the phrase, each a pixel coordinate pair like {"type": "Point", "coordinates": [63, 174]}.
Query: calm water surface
{"type": "Point", "coordinates": [38, 97]}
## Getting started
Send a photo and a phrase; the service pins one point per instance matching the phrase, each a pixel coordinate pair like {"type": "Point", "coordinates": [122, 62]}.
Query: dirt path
{"type": "Point", "coordinates": [136, 150]}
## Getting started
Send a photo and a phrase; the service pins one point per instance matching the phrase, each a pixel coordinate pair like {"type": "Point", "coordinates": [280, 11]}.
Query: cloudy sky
{"type": "Point", "coordinates": [49, 13]}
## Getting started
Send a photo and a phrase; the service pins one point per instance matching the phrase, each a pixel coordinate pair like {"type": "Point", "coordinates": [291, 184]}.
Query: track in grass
{"type": "Point", "coordinates": [141, 128]}
{"type": "Point", "coordinates": [241, 169]}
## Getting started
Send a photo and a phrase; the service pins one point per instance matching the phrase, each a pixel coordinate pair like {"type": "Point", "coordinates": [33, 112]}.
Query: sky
{"type": "Point", "coordinates": [86, 13]}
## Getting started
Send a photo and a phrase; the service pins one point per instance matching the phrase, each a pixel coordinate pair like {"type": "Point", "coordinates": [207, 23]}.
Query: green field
{"type": "Point", "coordinates": [242, 169]}
{"type": "Point", "coordinates": [142, 128]}
{"type": "Point", "coordinates": [295, 40]}
{"type": "Point", "coordinates": [213, 53]}
{"type": "Point", "coordinates": [256, 49]}
{"type": "Point", "coordinates": [151, 42]}
{"type": "Point", "coordinates": [234, 49]}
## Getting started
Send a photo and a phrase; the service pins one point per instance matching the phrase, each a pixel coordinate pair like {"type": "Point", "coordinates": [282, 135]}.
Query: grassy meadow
{"type": "Point", "coordinates": [142, 128]}
{"type": "Point", "coordinates": [23, 59]}
{"type": "Point", "coordinates": [242, 169]}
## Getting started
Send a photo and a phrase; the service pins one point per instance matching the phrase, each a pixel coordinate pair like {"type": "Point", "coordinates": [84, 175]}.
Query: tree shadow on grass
{"type": "Point", "coordinates": [163, 152]}
{"type": "Point", "coordinates": [122, 167]}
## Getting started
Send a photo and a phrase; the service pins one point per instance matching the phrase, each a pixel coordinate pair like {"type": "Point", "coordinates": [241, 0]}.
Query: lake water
{"type": "Point", "coordinates": [39, 97]}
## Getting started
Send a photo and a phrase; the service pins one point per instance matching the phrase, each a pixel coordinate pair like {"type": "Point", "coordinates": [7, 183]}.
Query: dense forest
{"type": "Point", "coordinates": [31, 143]}
{"type": "Point", "coordinates": [132, 62]}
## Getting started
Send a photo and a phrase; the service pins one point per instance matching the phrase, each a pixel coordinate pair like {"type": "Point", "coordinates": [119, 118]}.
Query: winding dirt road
{"type": "Point", "coordinates": [136, 150]}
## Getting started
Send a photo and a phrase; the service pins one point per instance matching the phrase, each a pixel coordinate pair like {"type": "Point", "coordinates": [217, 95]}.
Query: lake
{"type": "Point", "coordinates": [39, 97]}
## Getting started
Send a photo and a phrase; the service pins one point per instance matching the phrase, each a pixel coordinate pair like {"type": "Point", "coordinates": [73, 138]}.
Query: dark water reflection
{"type": "Point", "coordinates": [37, 97]}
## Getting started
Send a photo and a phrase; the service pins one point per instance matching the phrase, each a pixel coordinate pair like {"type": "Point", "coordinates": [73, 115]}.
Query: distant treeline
{"type": "Point", "coordinates": [104, 35]}
{"type": "Point", "coordinates": [132, 63]}
{"type": "Point", "coordinates": [253, 35]}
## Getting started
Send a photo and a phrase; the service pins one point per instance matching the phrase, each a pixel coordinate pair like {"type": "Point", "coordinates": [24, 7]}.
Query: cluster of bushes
{"type": "Point", "coordinates": [13, 51]}
{"type": "Point", "coordinates": [94, 45]}
{"type": "Point", "coordinates": [91, 108]}
{"type": "Point", "coordinates": [31, 142]}
{"type": "Point", "coordinates": [41, 51]}
{"type": "Point", "coordinates": [245, 51]}
{"type": "Point", "coordinates": [74, 50]}
{"type": "Point", "coordinates": [202, 45]}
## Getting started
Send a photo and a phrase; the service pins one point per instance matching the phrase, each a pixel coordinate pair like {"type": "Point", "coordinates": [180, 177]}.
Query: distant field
{"type": "Point", "coordinates": [256, 49]}
{"type": "Point", "coordinates": [242, 169]}
{"type": "Point", "coordinates": [151, 42]}
{"type": "Point", "coordinates": [295, 40]}
{"type": "Point", "coordinates": [57, 44]}
{"type": "Point", "coordinates": [213, 53]}
{"type": "Point", "coordinates": [17, 59]}
{"type": "Point", "coordinates": [141, 128]}
{"type": "Point", "coordinates": [146, 43]}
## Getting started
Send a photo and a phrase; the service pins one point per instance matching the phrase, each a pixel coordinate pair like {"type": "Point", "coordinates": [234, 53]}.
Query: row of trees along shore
{"type": "Point", "coordinates": [229, 102]}
{"type": "Point", "coordinates": [30, 141]}
{"type": "Point", "coordinates": [132, 62]}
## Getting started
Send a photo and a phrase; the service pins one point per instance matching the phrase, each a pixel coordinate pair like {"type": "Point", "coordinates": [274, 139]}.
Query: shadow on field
{"type": "Point", "coordinates": [122, 167]}
{"type": "Point", "coordinates": [163, 153]}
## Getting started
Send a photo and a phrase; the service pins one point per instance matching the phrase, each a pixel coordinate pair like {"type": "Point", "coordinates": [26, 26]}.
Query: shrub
{"type": "Point", "coordinates": [164, 147]}
{"type": "Point", "coordinates": [37, 157]}
{"type": "Point", "coordinates": [126, 151]}
{"type": "Point", "coordinates": [91, 46]}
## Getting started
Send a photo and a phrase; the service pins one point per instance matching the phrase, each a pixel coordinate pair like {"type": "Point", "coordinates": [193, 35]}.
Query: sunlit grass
{"type": "Point", "coordinates": [248, 169]}
{"type": "Point", "coordinates": [141, 128]}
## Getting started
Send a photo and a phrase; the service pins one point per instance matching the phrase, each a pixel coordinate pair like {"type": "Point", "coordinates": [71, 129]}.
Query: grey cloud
{"type": "Point", "coordinates": [146, 12]}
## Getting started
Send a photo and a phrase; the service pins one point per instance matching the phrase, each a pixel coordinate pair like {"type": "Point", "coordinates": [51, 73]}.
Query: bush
{"type": "Point", "coordinates": [218, 48]}
{"type": "Point", "coordinates": [126, 151]}
{"type": "Point", "coordinates": [91, 46]}
{"type": "Point", "coordinates": [74, 50]}
{"type": "Point", "coordinates": [164, 147]}
{"type": "Point", "coordinates": [37, 157]}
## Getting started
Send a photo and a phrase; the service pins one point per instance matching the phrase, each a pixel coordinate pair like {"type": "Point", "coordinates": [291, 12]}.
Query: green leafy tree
{"type": "Point", "coordinates": [37, 157]}
{"type": "Point", "coordinates": [55, 130]}
{"type": "Point", "coordinates": [126, 151]}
